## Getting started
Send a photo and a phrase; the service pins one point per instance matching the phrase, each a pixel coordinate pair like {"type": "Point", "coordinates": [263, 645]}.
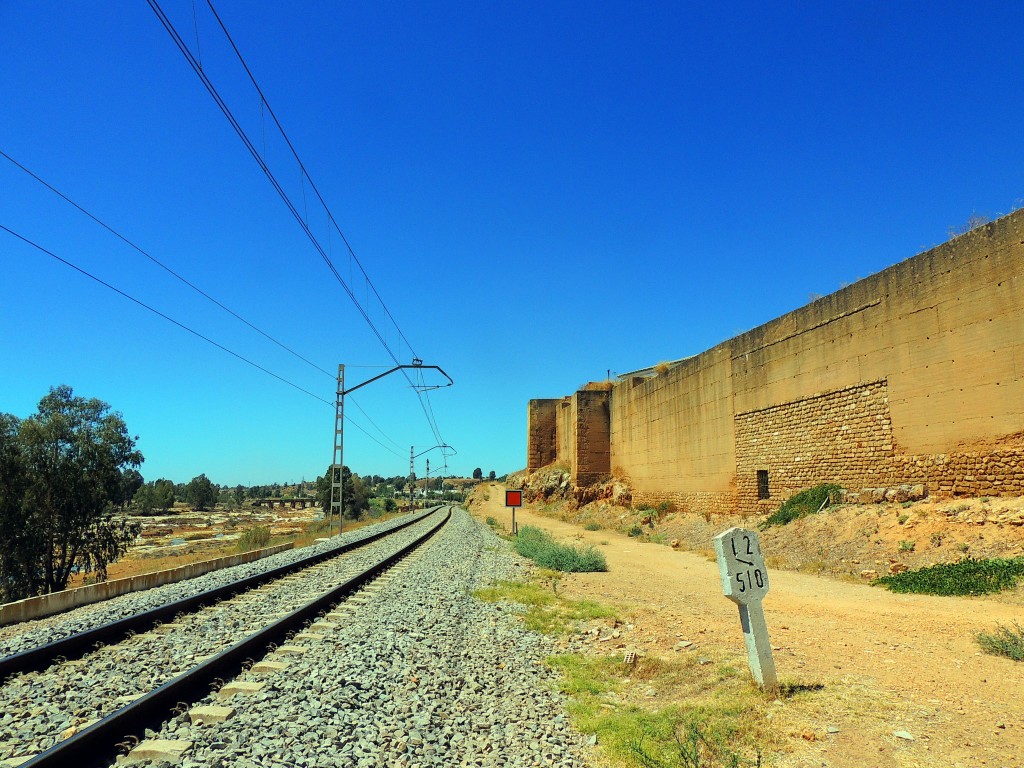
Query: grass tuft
{"type": "Point", "coordinates": [804, 503]}
{"type": "Point", "coordinates": [538, 546]}
{"type": "Point", "coordinates": [1003, 642]}
{"type": "Point", "coordinates": [545, 611]}
{"type": "Point", "coordinates": [256, 537]}
{"type": "Point", "coordinates": [968, 577]}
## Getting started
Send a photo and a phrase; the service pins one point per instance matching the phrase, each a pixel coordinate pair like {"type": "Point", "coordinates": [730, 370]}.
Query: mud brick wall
{"type": "Point", "coordinates": [542, 445]}
{"type": "Point", "coordinates": [841, 437]}
{"type": "Point", "coordinates": [941, 334]}
{"type": "Point", "coordinates": [592, 461]}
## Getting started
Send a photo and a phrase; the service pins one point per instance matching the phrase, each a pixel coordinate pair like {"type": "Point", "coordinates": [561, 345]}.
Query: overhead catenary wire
{"type": "Point", "coordinates": [184, 327]}
{"type": "Point", "coordinates": [301, 219]}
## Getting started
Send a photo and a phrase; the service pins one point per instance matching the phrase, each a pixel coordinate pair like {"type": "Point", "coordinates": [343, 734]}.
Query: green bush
{"type": "Point", "coordinates": [635, 531]}
{"type": "Point", "coordinates": [1004, 642]}
{"type": "Point", "coordinates": [256, 537]}
{"type": "Point", "coordinates": [968, 577]}
{"type": "Point", "coordinates": [538, 546]}
{"type": "Point", "coordinates": [492, 522]}
{"type": "Point", "coordinates": [592, 527]}
{"type": "Point", "coordinates": [804, 503]}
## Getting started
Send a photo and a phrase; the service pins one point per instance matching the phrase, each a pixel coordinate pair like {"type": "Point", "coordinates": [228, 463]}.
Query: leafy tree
{"type": "Point", "coordinates": [323, 491]}
{"type": "Point", "coordinates": [163, 494]}
{"type": "Point", "coordinates": [200, 492]}
{"type": "Point", "coordinates": [131, 482]}
{"type": "Point", "coordinates": [390, 505]}
{"type": "Point", "coordinates": [490, 475]}
{"type": "Point", "coordinates": [17, 544]}
{"type": "Point", "coordinates": [62, 475]}
{"type": "Point", "coordinates": [239, 495]}
{"type": "Point", "coordinates": [158, 495]}
{"type": "Point", "coordinates": [355, 494]}
{"type": "Point", "coordinates": [478, 474]}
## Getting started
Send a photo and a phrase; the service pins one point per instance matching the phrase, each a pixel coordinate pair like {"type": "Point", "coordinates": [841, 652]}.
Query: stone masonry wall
{"type": "Point", "coordinates": [993, 473]}
{"type": "Point", "coordinates": [841, 437]}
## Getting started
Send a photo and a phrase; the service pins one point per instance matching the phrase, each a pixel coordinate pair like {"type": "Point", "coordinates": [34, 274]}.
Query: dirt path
{"type": "Point", "coordinates": [888, 662]}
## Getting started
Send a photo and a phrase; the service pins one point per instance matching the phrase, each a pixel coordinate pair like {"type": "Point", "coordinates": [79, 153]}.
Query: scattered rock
{"type": "Point", "coordinates": [903, 735]}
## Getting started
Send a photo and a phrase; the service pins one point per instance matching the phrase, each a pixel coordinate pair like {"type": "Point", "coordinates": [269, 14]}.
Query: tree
{"type": "Point", "coordinates": [355, 494]}
{"type": "Point", "coordinates": [63, 473]}
{"type": "Point", "coordinates": [390, 505]}
{"type": "Point", "coordinates": [200, 492]}
{"type": "Point", "coordinates": [131, 482]}
{"type": "Point", "coordinates": [490, 475]}
{"type": "Point", "coordinates": [239, 495]}
{"type": "Point", "coordinates": [478, 474]}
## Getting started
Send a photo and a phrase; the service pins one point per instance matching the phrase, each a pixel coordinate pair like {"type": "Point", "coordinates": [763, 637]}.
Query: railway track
{"type": "Point", "coordinates": [77, 643]}
{"type": "Point", "coordinates": [102, 695]}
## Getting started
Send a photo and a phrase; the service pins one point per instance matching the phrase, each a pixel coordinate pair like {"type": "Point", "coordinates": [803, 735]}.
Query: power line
{"type": "Point", "coordinates": [163, 266]}
{"type": "Point", "coordinates": [168, 318]}
{"type": "Point", "coordinates": [197, 334]}
{"type": "Point", "coordinates": [191, 285]}
{"type": "Point", "coordinates": [295, 154]}
{"type": "Point", "coordinates": [300, 219]}
{"type": "Point", "coordinates": [214, 93]}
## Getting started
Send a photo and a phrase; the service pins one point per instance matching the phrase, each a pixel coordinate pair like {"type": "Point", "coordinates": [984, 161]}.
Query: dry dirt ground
{"type": "Point", "coordinates": [887, 662]}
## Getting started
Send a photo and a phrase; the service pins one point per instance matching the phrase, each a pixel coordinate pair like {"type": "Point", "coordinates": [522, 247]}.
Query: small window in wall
{"type": "Point", "coordinates": [762, 484]}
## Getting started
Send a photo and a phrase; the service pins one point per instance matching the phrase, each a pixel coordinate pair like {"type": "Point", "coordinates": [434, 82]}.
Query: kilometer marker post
{"type": "Point", "coordinates": [745, 582]}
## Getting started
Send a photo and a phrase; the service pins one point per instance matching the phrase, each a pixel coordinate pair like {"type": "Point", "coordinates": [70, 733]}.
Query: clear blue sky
{"type": "Point", "coordinates": [540, 192]}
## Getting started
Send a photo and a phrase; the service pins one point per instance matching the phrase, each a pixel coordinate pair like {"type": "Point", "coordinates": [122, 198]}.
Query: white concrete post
{"type": "Point", "coordinates": [745, 582]}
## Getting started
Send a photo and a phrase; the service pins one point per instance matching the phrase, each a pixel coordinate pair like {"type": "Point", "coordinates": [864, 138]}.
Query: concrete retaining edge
{"type": "Point", "coordinates": [57, 602]}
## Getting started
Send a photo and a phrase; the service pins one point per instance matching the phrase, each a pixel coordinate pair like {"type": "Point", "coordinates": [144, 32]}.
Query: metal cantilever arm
{"type": "Point", "coordinates": [400, 367]}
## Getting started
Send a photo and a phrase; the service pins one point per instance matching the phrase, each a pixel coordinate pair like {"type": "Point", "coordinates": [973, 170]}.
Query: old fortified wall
{"type": "Point", "coordinates": [913, 375]}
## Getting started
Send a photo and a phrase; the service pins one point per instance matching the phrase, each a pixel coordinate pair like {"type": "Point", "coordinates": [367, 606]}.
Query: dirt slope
{"type": "Point", "coordinates": [888, 662]}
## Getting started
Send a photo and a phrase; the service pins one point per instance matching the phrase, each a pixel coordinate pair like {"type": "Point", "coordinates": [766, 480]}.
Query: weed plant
{"type": "Point", "coordinates": [804, 503]}
{"type": "Point", "coordinates": [544, 611]}
{"type": "Point", "coordinates": [538, 546]}
{"type": "Point", "coordinates": [716, 717]}
{"type": "Point", "coordinates": [256, 537]}
{"type": "Point", "coordinates": [592, 527]}
{"type": "Point", "coordinates": [1004, 642]}
{"type": "Point", "coordinates": [968, 577]}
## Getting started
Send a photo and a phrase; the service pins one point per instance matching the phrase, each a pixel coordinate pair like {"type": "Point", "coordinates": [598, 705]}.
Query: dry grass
{"type": "Point", "coordinates": [662, 367]}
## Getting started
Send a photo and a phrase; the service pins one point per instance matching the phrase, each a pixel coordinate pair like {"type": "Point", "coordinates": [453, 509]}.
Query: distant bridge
{"type": "Point", "coordinates": [286, 503]}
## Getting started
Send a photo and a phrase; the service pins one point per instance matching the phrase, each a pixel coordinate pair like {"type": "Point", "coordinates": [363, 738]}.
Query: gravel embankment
{"type": "Point", "coordinates": [38, 707]}
{"type": "Point", "coordinates": [33, 634]}
{"type": "Point", "coordinates": [424, 674]}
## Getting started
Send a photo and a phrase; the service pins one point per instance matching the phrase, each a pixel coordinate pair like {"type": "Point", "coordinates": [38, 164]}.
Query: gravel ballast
{"type": "Point", "coordinates": [39, 708]}
{"type": "Point", "coordinates": [15, 638]}
{"type": "Point", "coordinates": [420, 674]}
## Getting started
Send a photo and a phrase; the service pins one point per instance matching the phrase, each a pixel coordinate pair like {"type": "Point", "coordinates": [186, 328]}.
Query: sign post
{"type": "Point", "coordinates": [514, 499]}
{"type": "Point", "coordinates": [745, 582]}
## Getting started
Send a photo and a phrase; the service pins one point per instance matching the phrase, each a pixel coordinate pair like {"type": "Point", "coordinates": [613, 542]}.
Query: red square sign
{"type": "Point", "coordinates": [513, 498]}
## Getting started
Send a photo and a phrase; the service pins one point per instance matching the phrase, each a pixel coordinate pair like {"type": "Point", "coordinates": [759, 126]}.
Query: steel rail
{"type": "Point", "coordinates": [77, 645]}
{"type": "Point", "coordinates": [100, 741]}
